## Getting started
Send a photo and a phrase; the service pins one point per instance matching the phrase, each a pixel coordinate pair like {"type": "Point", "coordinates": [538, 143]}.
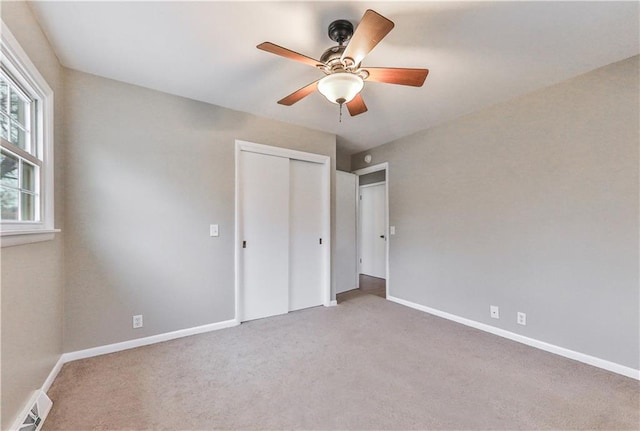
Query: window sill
{"type": "Point", "coordinates": [20, 237]}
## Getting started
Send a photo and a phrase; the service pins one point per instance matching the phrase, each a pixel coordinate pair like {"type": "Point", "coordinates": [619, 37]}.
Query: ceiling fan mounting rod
{"type": "Point", "coordinates": [340, 31]}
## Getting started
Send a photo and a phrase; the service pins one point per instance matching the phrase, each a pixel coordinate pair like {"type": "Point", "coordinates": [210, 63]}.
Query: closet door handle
{"type": "Point", "coordinates": [382, 236]}
{"type": "Point", "coordinates": [244, 244]}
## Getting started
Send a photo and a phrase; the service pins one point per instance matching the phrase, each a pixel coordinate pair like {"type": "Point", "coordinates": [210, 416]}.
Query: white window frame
{"type": "Point", "coordinates": [18, 64]}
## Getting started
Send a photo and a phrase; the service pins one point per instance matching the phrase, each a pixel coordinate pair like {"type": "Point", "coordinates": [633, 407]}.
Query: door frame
{"type": "Point", "coordinates": [369, 169]}
{"type": "Point", "coordinates": [325, 161]}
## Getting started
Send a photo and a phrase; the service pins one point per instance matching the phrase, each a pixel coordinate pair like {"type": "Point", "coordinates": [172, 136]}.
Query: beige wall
{"type": "Point", "coordinates": [531, 205]}
{"type": "Point", "coordinates": [32, 275]}
{"type": "Point", "coordinates": [147, 173]}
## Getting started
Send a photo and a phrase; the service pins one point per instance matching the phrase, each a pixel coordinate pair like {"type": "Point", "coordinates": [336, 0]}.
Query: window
{"type": "Point", "coordinates": [26, 148]}
{"type": "Point", "coordinates": [19, 162]}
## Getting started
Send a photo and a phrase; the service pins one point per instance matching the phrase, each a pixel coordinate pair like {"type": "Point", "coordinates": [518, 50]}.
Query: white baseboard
{"type": "Point", "coordinates": [53, 374]}
{"type": "Point", "coordinates": [139, 342]}
{"type": "Point", "coordinates": [333, 303]}
{"type": "Point", "coordinates": [577, 356]}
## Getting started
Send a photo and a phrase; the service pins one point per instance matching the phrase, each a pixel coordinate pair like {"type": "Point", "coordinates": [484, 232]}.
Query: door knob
{"type": "Point", "coordinates": [382, 236]}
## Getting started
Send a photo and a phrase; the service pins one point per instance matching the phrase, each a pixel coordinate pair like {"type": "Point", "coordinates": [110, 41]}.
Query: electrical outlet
{"type": "Point", "coordinates": [495, 311]}
{"type": "Point", "coordinates": [522, 318]}
{"type": "Point", "coordinates": [137, 321]}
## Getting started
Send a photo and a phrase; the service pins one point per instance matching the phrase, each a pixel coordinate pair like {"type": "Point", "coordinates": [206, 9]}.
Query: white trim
{"type": "Point", "coordinates": [11, 238]}
{"type": "Point", "coordinates": [369, 169]}
{"type": "Point", "coordinates": [281, 152]}
{"type": "Point", "coordinates": [326, 228]}
{"type": "Point", "coordinates": [19, 64]}
{"type": "Point", "coordinates": [551, 348]}
{"type": "Point", "coordinates": [53, 374]}
{"type": "Point", "coordinates": [332, 303]}
{"type": "Point", "coordinates": [139, 342]}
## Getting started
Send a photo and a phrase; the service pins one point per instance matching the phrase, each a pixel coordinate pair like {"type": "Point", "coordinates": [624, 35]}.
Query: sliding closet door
{"type": "Point", "coordinates": [264, 231]}
{"type": "Point", "coordinates": [305, 235]}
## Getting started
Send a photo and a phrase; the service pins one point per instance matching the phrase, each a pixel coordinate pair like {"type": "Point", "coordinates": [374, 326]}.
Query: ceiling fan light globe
{"type": "Point", "coordinates": [340, 87]}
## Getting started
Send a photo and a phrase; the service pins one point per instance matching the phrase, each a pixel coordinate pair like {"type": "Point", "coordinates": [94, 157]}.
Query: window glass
{"type": "Point", "coordinates": [8, 203]}
{"type": "Point", "coordinates": [17, 108]}
{"type": "Point", "coordinates": [8, 170]}
{"type": "Point", "coordinates": [17, 136]}
{"type": "Point", "coordinates": [4, 126]}
{"type": "Point", "coordinates": [28, 207]}
{"type": "Point", "coordinates": [28, 177]}
{"type": "Point", "coordinates": [14, 115]}
{"type": "Point", "coordinates": [4, 93]}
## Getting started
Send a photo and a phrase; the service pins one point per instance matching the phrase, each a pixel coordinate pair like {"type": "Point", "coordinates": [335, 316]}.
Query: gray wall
{"type": "Point", "coordinates": [147, 173]}
{"type": "Point", "coordinates": [531, 205]}
{"type": "Point", "coordinates": [343, 160]}
{"type": "Point", "coordinates": [32, 274]}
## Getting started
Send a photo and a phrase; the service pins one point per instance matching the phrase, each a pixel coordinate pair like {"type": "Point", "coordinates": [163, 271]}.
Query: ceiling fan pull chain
{"type": "Point", "coordinates": [341, 113]}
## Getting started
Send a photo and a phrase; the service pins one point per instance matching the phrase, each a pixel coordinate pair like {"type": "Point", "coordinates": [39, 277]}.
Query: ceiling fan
{"type": "Point", "coordinates": [345, 76]}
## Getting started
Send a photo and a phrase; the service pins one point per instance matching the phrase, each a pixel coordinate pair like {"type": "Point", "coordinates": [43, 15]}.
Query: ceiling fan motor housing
{"type": "Point", "coordinates": [331, 58]}
{"type": "Point", "coordinates": [340, 31]}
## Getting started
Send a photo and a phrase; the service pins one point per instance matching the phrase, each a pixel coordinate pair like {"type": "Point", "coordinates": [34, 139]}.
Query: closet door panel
{"type": "Point", "coordinates": [305, 233]}
{"type": "Point", "coordinates": [264, 228]}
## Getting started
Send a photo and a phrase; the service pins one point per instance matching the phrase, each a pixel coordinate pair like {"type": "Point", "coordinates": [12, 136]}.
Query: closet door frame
{"type": "Point", "coordinates": [325, 161]}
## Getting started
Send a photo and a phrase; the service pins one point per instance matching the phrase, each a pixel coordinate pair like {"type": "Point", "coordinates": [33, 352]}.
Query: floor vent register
{"type": "Point", "coordinates": [35, 416]}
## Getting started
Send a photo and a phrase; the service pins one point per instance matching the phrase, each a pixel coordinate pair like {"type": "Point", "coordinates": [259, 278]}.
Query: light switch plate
{"type": "Point", "coordinates": [392, 230]}
{"type": "Point", "coordinates": [213, 230]}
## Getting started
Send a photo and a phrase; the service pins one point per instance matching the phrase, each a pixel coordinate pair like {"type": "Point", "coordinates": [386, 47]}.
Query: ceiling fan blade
{"type": "Point", "coordinates": [287, 53]}
{"type": "Point", "coordinates": [300, 94]}
{"type": "Point", "coordinates": [402, 76]}
{"type": "Point", "coordinates": [371, 30]}
{"type": "Point", "coordinates": [356, 106]}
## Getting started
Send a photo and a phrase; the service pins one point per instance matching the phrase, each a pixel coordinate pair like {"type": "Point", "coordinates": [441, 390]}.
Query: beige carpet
{"type": "Point", "coordinates": [365, 364]}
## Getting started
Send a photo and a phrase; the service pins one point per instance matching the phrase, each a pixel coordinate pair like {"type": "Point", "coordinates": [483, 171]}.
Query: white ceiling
{"type": "Point", "coordinates": [478, 53]}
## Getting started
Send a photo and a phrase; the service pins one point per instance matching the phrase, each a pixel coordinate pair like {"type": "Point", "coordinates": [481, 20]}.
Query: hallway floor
{"type": "Point", "coordinates": [369, 286]}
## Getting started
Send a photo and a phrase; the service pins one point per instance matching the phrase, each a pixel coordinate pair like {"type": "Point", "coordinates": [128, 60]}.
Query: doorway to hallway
{"type": "Point", "coordinates": [372, 232]}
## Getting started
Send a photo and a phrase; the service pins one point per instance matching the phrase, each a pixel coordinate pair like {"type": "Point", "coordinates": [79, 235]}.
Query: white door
{"type": "Point", "coordinates": [264, 231]}
{"type": "Point", "coordinates": [372, 231]}
{"type": "Point", "coordinates": [305, 235]}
